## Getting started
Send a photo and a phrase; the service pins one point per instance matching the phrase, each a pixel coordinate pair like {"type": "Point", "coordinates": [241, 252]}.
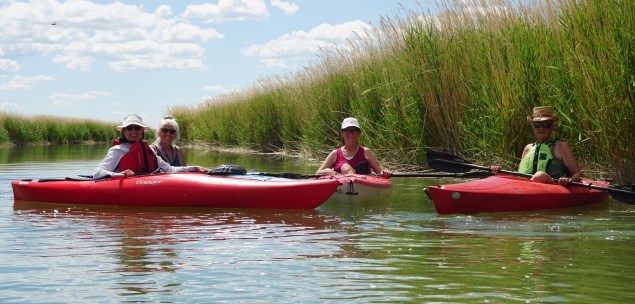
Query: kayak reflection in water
{"type": "Point", "coordinates": [352, 157]}
{"type": "Point", "coordinates": [130, 155]}
{"type": "Point", "coordinates": [547, 158]}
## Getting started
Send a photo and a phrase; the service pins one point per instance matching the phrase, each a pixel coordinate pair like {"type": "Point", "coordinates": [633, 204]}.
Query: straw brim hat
{"type": "Point", "coordinates": [545, 113]}
{"type": "Point", "coordinates": [132, 119]}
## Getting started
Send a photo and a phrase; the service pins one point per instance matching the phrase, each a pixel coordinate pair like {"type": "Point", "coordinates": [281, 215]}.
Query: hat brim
{"type": "Point", "coordinates": [554, 118]}
{"type": "Point", "coordinates": [120, 128]}
{"type": "Point", "coordinates": [346, 127]}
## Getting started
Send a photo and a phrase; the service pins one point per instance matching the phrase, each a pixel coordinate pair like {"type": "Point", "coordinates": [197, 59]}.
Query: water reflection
{"type": "Point", "coordinates": [51, 153]}
{"type": "Point", "coordinates": [143, 243]}
{"type": "Point", "coordinates": [387, 251]}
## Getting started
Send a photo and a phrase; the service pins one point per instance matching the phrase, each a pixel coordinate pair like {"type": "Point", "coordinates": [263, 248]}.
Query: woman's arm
{"type": "Point", "coordinates": [564, 153]}
{"type": "Point", "coordinates": [327, 165]}
{"type": "Point", "coordinates": [374, 163]}
{"type": "Point", "coordinates": [110, 162]}
{"type": "Point", "coordinates": [181, 156]}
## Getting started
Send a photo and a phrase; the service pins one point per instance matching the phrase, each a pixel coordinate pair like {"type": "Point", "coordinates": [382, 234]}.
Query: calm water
{"type": "Point", "coordinates": [397, 250]}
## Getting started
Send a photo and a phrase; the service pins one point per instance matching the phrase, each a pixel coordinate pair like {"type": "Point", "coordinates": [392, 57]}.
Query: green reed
{"type": "Point", "coordinates": [461, 80]}
{"type": "Point", "coordinates": [19, 129]}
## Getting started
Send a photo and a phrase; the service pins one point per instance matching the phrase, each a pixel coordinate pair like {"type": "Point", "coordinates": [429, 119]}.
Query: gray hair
{"type": "Point", "coordinates": [171, 121]}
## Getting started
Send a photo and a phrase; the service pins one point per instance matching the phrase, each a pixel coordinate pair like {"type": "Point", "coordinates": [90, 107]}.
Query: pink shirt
{"type": "Point", "coordinates": [353, 162]}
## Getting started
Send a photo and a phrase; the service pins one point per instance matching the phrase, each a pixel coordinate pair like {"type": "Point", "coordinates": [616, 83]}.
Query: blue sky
{"type": "Point", "coordinates": [104, 59]}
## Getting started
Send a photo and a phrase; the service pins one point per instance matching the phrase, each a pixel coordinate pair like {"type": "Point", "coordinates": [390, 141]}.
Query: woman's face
{"type": "Point", "coordinates": [167, 134]}
{"type": "Point", "coordinates": [543, 130]}
{"type": "Point", "coordinates": [351, 134]}
{"type": "Point", "coordinates": [133, 133]}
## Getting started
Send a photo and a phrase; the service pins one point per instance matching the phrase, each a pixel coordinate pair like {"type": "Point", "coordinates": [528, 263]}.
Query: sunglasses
{"type": "Point", "coordinates": [350, 130]}
{"type": "Point", "coordinates": [166, 130]}
{"type": "Point", "coordinates": [133, 127]}
{"type": "Point", "coordinates": [543, 124]}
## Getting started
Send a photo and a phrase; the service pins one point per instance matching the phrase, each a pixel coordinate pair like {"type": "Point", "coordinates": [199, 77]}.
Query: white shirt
{"type": "Point", "coordinates": [114, 155]}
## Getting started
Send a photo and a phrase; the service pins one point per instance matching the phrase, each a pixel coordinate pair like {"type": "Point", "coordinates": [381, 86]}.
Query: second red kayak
{"type": "Point", "coordinates": [507, 193]}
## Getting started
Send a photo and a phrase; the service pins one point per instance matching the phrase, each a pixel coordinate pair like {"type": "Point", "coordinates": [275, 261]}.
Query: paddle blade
{"type": "Point", "coordinates": [623, 193]}
{"type": "Point", "coordinates": [446, 162]}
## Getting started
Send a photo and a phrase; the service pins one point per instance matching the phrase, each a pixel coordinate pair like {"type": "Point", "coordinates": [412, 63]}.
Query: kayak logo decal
{"type": "Point", "coordinates": [456, 195]}
{"type": "Point", "coordinates": [145, 182]}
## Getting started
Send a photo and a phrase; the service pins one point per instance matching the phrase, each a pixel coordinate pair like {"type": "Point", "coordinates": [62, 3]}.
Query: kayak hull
{"type": "Point", "coordinates": [180, 190]}
{"type": "Point", "coordinates": [357, 188]}
{"type": "Point", "coordinates": [507, 193]}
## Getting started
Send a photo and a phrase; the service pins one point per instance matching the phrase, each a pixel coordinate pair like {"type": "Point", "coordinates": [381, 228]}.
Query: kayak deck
{"type": "Point", "coordinates": [507, 193]}
{"type": "Point", "coordinates": [180, 190]}
{"type": "Point", "coordinates": [358, 188]}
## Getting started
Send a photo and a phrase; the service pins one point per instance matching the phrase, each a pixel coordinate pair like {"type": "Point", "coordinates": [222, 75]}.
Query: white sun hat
{"type": "Point", "coordinates": [132, 119]}
{"type": "Point", "coordinates": [350, 122]}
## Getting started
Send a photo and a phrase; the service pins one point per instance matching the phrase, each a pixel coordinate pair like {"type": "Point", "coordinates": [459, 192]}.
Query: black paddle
{"type": "Point", "coordinates": [444, 174]}
{"type": "Point", "coordinates": [396, 174]}
{"type": "Point", "coordinates": [451, 163]}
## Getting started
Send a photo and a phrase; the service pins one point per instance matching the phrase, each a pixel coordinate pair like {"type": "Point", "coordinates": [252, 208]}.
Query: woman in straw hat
{"type": "Point", "coordinates": [130, 155]}
{"type": "Point", "coordinates": [547, 158]}
{"type": "Point", "coordinates": [352, 157]}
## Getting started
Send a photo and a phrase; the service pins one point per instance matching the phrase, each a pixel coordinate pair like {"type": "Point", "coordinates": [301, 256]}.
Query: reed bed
{"type": "Point", "coordinates": [462, 80]}
{"type": "Point", "coordinates": [20, 129]}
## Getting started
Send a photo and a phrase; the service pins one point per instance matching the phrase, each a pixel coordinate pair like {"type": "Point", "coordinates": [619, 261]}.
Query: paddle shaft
{"type": "Point", "coordinates": [439, 174]}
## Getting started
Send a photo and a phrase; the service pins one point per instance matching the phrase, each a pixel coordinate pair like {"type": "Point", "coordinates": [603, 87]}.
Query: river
{"type": "Point", "coordinates": [397, 250]}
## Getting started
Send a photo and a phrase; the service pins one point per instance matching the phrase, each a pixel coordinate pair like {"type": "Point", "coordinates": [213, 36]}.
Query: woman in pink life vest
{"type": "Point", "coordinates": [130, 155]}
{"type": "Point", "coordinates": [352, 158]}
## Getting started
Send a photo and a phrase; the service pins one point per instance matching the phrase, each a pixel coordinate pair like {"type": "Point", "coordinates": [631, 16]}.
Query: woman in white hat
{"type": "Point", "coordinates": [166, 139]}
{"type": "Point", "coordinates": [547, 158]}
{"type": "Point", "coordinates": [130, 155]}
{"type": "Point", "coordinates": [352, 157]}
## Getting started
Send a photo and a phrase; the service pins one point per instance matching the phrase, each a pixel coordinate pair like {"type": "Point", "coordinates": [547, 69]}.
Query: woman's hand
{"type": "Point", "coordinates": [495, 169]}
{"type": "Point", "coordinates": [128, 173]}
{"type": "Point", "coordinates": [564, 181]}
{"type": "Point", "coordinates": [327, 172]}
{"type": "Point", "coordinates": [386, 173]}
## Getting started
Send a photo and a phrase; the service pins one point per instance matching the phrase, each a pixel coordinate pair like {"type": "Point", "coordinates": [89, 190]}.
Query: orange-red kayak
{"type": "Point", "coordinates": [181, 190]}
{"type": "Point", "coordinates": [507, 193]}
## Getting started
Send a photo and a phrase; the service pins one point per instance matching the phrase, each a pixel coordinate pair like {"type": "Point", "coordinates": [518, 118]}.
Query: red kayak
{"type": "Point", "coordinates": [180, 190]}
{"type": "Point", "coordinates": [358, 188]}
{"type": "Point", "coordinates": [507, 193]}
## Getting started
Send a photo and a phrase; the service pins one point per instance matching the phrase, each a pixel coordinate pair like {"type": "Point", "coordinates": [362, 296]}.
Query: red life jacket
{"type": "Point", "coordinates": [138, 161]}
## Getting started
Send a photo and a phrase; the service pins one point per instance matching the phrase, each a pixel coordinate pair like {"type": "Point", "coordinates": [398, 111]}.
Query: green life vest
{"type": "Point", "coordinates": [540, 158]}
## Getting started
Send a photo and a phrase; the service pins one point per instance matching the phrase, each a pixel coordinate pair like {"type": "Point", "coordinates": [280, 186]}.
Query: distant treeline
{"type": "Point", "coordinates": [463, 80]}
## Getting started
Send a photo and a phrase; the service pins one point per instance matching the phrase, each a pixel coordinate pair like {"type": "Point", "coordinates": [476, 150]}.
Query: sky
{"type": "Point", "coordinates": [104, 59]}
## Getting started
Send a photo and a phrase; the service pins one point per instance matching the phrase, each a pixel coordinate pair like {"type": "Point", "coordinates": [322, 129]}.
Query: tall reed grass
{"type": "Point", "coordinates": [19, 129]}
{"type": "Point", "coordinates": [461, 80]}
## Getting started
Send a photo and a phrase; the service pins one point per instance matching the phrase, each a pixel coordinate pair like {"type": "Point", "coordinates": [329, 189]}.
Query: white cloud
{"type": "Point", "coordinates": [215, 89]}
{"type": "Point", "coordinates": [64, 100]}
{"type": "Point", "coordinates": [163, 11]}
{"type": "Point", "coordinates": [24, 83]}
{"type": "Point", "coordinates": [7, 66]}
{"type": "Point", "coordinates": [287, 7]}
{"type": "Point", "coordinates": [85, 32]}
{"type": "Point", "coordinates": [81, 63]}
{"type": "Point", "coordinates": [297, 44]}
{"type": "Point", "coordinates": [228, 10]}
{"type": "Point", "coordinates": [9, 107]}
